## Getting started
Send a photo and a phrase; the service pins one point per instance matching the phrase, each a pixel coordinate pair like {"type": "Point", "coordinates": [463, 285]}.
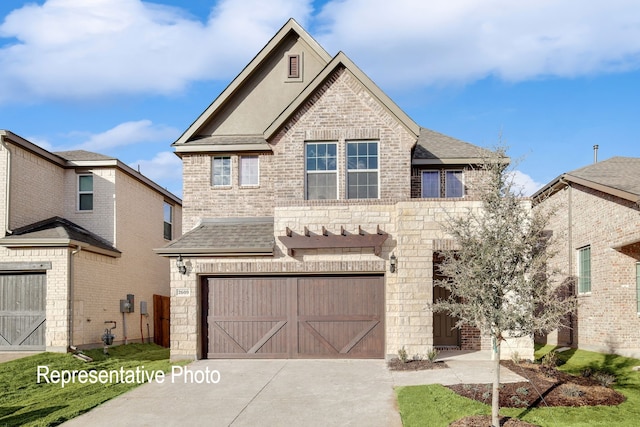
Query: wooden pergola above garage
{"type": "Point", "coordinates": [327, 240]}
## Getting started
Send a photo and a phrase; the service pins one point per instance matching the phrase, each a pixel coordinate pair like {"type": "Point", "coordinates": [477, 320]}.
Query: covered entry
{"type": "Point", "coordinates": [22, 311]}
{"type": "Point", "coordinates": [293, 317]}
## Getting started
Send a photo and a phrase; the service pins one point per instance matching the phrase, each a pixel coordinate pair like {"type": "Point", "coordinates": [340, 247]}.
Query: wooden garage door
{"type": "Point", "coordinates": [285, 317]}
{"type": "Point", "coordinates": [22, 311]}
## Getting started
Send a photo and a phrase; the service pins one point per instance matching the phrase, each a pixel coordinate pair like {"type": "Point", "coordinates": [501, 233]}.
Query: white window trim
{"type": "Point", "coordinates": [461, 181]}
{"type": "Point", "coordinates": [164, 220]}
{"type": "Point", "coordinates": [230, 172]}
{"type": "Point", "coordinates": [79, 192]}
{"type": "Point", "coordinates": [347, 170]}
{"type": "Point", "coordinates": [307, 172]}
{"type": "Point", "coordinates": [579, 270]}
{"type": "Point", "coordinates": [240, 184]}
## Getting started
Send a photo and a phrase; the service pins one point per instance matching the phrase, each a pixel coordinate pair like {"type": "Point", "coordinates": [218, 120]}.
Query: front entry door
{"type": "Point", "coordinates": [444, 333]}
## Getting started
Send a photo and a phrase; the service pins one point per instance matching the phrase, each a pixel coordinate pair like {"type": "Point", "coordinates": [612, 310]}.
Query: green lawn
{"type": "Point", "coordinates": [435, 405]}
{"type": "Point", "coordinates": [25, 402]}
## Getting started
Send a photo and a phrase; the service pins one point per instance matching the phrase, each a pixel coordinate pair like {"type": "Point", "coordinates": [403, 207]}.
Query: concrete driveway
{"type": "Point", "coordinates": [259, 393]}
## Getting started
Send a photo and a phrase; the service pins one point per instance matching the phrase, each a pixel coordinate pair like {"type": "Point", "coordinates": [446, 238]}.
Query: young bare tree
{"type": "Point", "coordinates": [500, 276]}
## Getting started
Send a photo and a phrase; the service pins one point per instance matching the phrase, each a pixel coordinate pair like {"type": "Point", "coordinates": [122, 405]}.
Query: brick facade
{"type": "Point", "coordinates": [607, 318]}
{"type": "Point", "coordinates": [341, 111]}
{"type": "Point", "coordinates": [84, 287]}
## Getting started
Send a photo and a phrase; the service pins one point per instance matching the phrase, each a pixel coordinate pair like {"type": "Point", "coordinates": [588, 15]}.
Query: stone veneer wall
{"type": "Point", "coordinates": [607, 318]}
{"type": "Point", "coordinates": [414, 229]}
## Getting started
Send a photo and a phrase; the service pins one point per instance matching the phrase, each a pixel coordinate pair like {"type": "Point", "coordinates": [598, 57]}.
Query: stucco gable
{"type": "Point", "coordinates": [255, 95]}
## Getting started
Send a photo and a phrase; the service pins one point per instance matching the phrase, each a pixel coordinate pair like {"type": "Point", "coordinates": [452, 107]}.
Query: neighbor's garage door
{"type": "Point", "coordinates": [22, 311]}
{"type": "Point", "coordinates": [284, 317]}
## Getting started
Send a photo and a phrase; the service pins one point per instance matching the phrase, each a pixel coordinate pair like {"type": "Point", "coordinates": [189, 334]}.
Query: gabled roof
{"type": "Point", "coordinates": [290, 26]}
{"type": "Point", "coordinates": [434, 148]}
{"type": "Point", "coordinates": [58, 232]}
{"type": "Point", "coordinates": [342, 60]}
{"type": "Point", "coordinates": [85, 159]}
{"type": "Point", "coordinates": [618, 176]}
{"type": "Point", "coordinates": [225, 237]}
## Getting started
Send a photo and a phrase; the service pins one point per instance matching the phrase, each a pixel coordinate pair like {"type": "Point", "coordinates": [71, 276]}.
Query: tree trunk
{"type": "Point", "coordinates": [495, 398]}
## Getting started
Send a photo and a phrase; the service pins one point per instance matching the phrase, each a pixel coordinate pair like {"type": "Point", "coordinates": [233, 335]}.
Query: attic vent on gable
{"type": "Point", "coordinates": [293, 63]}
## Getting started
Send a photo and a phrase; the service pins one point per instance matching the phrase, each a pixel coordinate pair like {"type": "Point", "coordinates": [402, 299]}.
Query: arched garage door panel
{"type": "Point", "coordinates": [281, 317]}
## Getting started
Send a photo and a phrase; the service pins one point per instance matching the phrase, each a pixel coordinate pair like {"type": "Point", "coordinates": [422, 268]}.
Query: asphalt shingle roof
{"type": "Point", "coordinates": [59, 228]}
{"type": "Point", "coordinates": [435, 145]}
{"type": "Point", "coordinates": [226, 235]}
{"type": "Point", "coordinates": [82, 155]}
{"type": "Point", "coordinates": [621, 173]}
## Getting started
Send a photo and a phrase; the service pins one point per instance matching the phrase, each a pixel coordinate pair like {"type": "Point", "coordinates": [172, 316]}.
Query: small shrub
{"type": "Point", "coordinates": [605, 379]}
{"type": "Point", "coordinates": [586, 373]}
{"type": "Point", "coordinates": [549, 363]}
{"type": "Point", "coordinates": [432, 355]}
{"type": "Point", "coordinates": [403, 355]}
{"type": "Point", "coordinates": [523, 391]}
{"type": "Point", "coordinates": [572, 390]}
{"type": "Point", "coordinates": [486, 396]}
{"type": "Point", "coordinates": [519, 402]}
{"type": "Point", "coordinates": [417, 357]}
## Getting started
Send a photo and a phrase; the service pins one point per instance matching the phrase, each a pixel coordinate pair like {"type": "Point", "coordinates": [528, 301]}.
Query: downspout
{"type": "Point", "coordinates": [70, 284]}
{"type": "Point", "coordinates": [570, 244]}
{"type": "Point", "coordinates": [7, 195]}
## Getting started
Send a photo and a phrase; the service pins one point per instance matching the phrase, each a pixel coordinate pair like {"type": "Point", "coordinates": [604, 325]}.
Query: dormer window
{"type": "Point", "coordinates": [293, 66]}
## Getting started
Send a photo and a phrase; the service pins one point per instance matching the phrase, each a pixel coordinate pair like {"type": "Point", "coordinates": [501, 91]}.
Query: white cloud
{"type": "Point", "coordinates": [128, 133]}
{"type": "Point", "coordinates": [165, 168]}
{"type": "Point", "coordinates": [77, 48]}
{"type": "Point", "coordinates": [458, 41]}
{"type": "Point", "coordinates": [68, 49]}
{"type": "Point", "coordinates": [522, 181]}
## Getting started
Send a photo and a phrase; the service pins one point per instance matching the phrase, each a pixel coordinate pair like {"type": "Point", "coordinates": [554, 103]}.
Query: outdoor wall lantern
{"type": "Point", "coordinates": [180, 264]}
{"type": "Point", "coordinates": [392, 263]}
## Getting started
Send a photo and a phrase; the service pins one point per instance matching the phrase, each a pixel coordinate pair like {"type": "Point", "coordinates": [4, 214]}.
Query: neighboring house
{"type": "Point", "coordinates": [313, 208]}
{"type": "Point", "coordinates": [78, 238]}
{"type": "Point", "coordinates": [598, 224]}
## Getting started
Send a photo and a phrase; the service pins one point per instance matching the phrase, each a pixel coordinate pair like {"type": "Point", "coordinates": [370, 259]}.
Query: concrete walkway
{"type": "Point", "coordinates": [282, 393]}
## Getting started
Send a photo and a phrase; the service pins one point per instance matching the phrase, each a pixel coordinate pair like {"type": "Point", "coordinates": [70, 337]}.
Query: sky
{"type": "Point", "coordinates": [548, 79]}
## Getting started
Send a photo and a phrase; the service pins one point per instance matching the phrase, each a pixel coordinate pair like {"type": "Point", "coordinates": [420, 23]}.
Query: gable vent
{"type": "Point", "coordinates": [293, 71]}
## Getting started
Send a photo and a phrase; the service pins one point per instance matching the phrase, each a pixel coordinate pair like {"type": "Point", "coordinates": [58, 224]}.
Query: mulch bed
{"type": "Point", "coordinates": [485, 420]}
{"type": "Point", "coordinates": [545, 388]}
{"type": "Point", "coordinates": [414, 365]}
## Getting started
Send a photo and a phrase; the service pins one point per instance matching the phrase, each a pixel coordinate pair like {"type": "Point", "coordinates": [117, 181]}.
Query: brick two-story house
{"type": "Point", "coordinates": [313, 208]}
{"type": "Point", "coordinates": [79, 229]}
{"type": "Point", "coordinates": [598, 224]}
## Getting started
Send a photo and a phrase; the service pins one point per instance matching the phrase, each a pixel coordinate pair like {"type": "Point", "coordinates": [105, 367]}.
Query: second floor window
{"type": "Point", "coordinates": [249, 171]}
{"type": "Point", "coordinates": [435, 181]}
{"type": "Point", "coordinates": [362, 170]}
{"type": "Point", "coordinates": [430, 184]}
{"type": "Point", "coordinates": [221, 171]}
{"type": "Point", "coordinates": [85, 192]}
{"type": "Point", "coordinates": [321, 166]}
{"type": "Point", "coordinates": [168, 221]}
{"type": "Point", "coordinates": [584, 270]}
{"type": "Point", "coordinates": [453, 184]}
